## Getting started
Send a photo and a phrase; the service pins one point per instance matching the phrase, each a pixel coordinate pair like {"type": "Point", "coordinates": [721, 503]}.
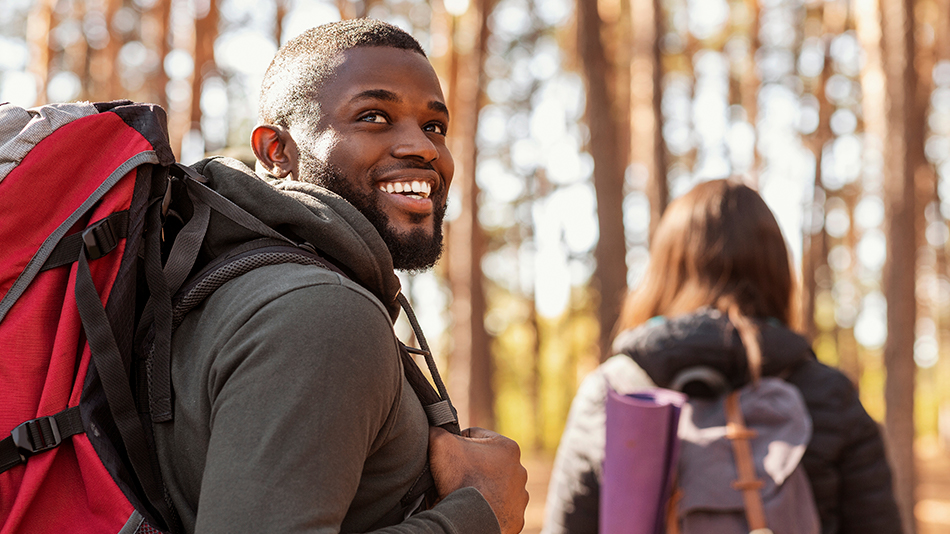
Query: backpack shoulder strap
{"type": "Point", "coordinates": [438, 409]}
{"type": "Point", "coordinates": [750, 486]}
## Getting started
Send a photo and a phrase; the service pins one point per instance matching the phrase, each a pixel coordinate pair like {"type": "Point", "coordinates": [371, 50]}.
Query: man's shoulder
{"type": "Point", "coordinates": [289, 301]}
{"type": "Point", "coordinates": [281, 312]}
{"type": "Point", "coordinates": [285, 282]}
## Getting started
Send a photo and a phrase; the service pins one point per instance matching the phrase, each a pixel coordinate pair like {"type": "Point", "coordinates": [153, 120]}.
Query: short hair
{"type": "Point", "coordinates": [302, 66]}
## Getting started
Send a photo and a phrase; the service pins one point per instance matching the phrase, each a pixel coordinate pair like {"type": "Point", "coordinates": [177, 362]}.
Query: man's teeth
{"type": "Point", "coordinates": [412, 189]}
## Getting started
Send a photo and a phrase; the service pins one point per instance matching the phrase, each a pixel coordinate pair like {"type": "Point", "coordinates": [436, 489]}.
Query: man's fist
{"type": "Point", "coordinates": [487, 461]}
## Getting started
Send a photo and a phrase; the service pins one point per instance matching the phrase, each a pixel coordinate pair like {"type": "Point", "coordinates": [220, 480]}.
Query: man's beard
{"type": "Point", "coordinates": [414, 251]}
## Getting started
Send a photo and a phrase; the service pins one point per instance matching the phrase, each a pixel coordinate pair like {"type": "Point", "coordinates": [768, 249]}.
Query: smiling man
{"type": "Point", "coordinates": [376, 137]}
{"type": "Point", "coordinates": [293, 410]}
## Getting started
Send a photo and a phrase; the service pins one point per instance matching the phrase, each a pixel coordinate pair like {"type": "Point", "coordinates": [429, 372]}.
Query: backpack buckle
{"type": "Point", "coordinates": [36, 435]}
{"type": "Point", "coordinates": [99, 238]}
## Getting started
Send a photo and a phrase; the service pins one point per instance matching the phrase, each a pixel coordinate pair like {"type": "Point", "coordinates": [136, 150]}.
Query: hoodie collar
{"type": "Point", "coordinates": [310, 213]}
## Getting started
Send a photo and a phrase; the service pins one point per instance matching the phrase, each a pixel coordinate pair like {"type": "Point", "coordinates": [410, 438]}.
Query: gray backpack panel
{"type": "Point", "coordinates": [709, 504]}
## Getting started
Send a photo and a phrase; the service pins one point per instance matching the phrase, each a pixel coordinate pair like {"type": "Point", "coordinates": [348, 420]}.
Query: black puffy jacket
{"type": "Point", "coordinates": [845, 460]}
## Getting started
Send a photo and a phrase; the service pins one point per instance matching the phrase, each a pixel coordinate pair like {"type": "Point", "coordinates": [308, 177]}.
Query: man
{"type": "Point", "coordinates": [292, 413]}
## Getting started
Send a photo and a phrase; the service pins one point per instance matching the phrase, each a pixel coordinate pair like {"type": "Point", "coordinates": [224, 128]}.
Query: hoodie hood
{"type": "Point", "coordinates": [305, 213]}
{"type": "Point", "coordinates": [665, 346]}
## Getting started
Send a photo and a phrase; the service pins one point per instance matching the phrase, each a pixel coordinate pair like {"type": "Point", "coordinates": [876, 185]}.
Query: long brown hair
{"type": "Point", "coordinates": [720, 246]}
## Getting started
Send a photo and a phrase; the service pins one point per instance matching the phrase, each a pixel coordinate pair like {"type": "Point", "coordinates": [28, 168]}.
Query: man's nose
{"type": "Point", "coordinates": [413, 142]}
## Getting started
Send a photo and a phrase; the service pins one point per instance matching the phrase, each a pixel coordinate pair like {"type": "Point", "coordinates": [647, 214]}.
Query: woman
{"type": "Point", "coordinates": [718, 291]}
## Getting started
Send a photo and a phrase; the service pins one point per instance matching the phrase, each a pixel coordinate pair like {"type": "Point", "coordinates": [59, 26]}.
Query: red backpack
{"type": "Point", "coordinates": [71, 217]}
{"type": "Point", "coordinates": [100, 234]}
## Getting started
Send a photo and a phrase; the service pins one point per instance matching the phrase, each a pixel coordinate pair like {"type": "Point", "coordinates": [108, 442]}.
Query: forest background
{"type": "Point", "coordinates": [574, 124]}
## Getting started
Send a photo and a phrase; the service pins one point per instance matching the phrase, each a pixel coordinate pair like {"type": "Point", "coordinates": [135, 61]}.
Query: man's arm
{"type": "Point", "coordinates": [308, 426]}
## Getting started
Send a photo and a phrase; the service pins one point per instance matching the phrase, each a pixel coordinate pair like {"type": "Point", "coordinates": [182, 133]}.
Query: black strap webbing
{"type": "Point", "coordinates": [99, 238]}
{"type": "Point", "coordinates": [159, 314]}
{"type": "Point", "coordinates": [185, 249]}
{"type": "Point", "coordinates": [439, 408]}
{"type": "Point", "coordinates": [38, 435]}
{"type": "Point", "coordinates": [204, 194]}
{"type": "Point", "coordinates": [115, 384]}
{"type": "Point", "coordinates": [440, 413]}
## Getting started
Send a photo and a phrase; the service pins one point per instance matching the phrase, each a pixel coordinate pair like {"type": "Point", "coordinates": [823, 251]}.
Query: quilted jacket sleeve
{"type": "Point", "coordinates": [845, 461]}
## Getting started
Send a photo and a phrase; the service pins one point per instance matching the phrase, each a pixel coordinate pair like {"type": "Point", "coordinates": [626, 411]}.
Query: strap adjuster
{"type": "Point", "coordinates": [36, 435]}
{"type": "Point", "coordinates": [99, 238]}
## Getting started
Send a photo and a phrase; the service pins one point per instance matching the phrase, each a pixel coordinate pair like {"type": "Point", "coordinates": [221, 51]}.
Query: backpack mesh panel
{"type": "Point", "coordinates": [229, 271]}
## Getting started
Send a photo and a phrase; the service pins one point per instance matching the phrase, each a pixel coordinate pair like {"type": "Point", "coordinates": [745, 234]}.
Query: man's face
{"type": "Point", "coordinates": [380, 144]}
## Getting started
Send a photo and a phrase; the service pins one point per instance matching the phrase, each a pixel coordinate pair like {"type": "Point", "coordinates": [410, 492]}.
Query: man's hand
{"type": "Point", "coordinates": [487, 461]}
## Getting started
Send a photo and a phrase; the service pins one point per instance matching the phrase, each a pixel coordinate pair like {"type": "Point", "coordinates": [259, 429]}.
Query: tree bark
{"type": "Point", "coordinates": [610, 274]}
{"type": "Point", "coordinates": [470, 368]}
{"type": "Point", "coordinates": [942, 53]}
{"type": "Point", "coordinates": [155, 30]}
{"type": "Point", "coordinates": [75, 57]}
{"type": "Point", "coordinates": [646, 78]}
{"type": "Point", "coordinates": [206, 32]}
{"type": "Point", "coordinates": [104, 83]}
{"type": "Point", "coordinates": [816, 240]}
{"type": "Point", "coordinates": [749, 85]}
{"type": "Point", "coordinates": [38, 26]}
{"type": "Point", "coordinates": [355, 9]}
{"type": "Point", "coordinates": [534, 384]}
{"type": "Point", "coordinates": [281, 12]}
{"type": "Point", "coordinates": [897, 23]}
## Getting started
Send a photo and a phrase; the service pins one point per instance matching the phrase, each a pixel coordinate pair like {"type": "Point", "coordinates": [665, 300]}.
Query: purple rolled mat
{"type": "Point", "coordinates": [640, 460]}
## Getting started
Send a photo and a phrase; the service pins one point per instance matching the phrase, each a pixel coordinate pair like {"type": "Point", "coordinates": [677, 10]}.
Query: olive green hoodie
{"type": "Point", "coordinates": [292, 413]}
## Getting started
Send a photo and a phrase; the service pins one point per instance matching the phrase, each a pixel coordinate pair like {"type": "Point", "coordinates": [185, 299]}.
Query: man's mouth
{"type": "Point", "coordinates": [415, 189]}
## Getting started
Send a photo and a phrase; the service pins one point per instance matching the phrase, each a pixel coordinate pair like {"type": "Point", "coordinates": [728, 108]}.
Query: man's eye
{"type": "Point", "coordinates": [378, 118]}
{"type": "Point", "coordinates": [435, 127]}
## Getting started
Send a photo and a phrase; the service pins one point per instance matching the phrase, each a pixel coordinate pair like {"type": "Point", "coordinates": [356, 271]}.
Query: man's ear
{"type": "Point", "coordinates": [275, 149]}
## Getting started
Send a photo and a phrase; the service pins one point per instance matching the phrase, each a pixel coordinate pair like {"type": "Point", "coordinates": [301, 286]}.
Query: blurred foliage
{"type": "Point", "coordinates": [540, 362]}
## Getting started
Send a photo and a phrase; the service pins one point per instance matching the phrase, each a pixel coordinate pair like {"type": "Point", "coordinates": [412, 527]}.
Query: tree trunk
{"type": "Point", "coordinates": [816, 239]}
{"type": "Point", "coordinates": [749, 80]}
{"type": "Point", "coordinates": [347, 9]}
{"type": "Point", "coordinates": [897, 23]}
{"type": "Point", "coordinates": [281, 12]}
{"type": "Point", "coordinates": [849, 360]}
{"type": "Point", "coordinates": [38, 26]}
{"type": "Point", "coordinates": [610, 275]}
{"type": "Point", "coordinates": [206, 32]}
{"type": "Point", "coordinates": [924, 59]}
{"type": "Point", "coordinates": [155, 31]}
{"type": "Point", "coordinates": [75, 56]}
{"type": "Point", "coordinates": [470, 367]}
{"type": "Point", "coordinates": [942, 53]}
{"type": "Point", "coordinates": [350, 9]}
{"type": "Point", "coordinates": [534, 385]}
{"type": "Point", "coordinates": [621, 54]}
{"type": "Point", "coordinates": [648, 146]}
{"type": "Point", "coordinates": [815, 257]}
{"type": "Point", "coordinates": [104, 83]}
